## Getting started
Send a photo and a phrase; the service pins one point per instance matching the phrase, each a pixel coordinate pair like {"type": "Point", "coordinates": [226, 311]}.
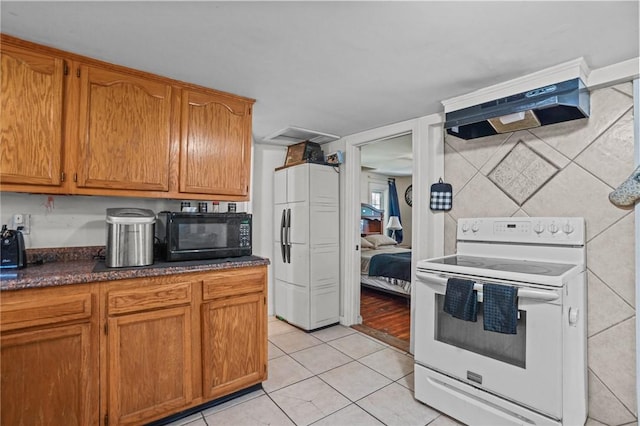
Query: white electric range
{"type": "Point", "coordinates": [537, 376]}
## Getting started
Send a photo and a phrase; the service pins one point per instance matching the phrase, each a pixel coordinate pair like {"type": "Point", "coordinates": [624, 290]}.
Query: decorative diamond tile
{"type": "Point", "coordinates": [539, 146]}
{"type": "Point", "coordinates": [522, 172]}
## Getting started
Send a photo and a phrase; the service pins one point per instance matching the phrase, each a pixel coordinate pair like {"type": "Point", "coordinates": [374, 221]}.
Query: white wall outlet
{"type": "Point", "coordinates": [22, 222]}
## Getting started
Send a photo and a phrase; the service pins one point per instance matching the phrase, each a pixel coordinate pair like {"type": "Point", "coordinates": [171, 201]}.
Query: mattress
{"type": "Point", "coordinates": [392, 285]}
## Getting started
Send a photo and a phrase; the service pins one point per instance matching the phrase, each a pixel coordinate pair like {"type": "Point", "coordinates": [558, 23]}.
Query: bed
{"type": "Point", "coordinates": [383, 265]}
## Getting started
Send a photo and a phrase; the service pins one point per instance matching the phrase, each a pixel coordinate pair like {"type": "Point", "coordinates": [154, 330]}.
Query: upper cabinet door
{"type": "Point", "coordinates": [215, 144]}
{"type": "Point", "coordinates": [124, 131]}
{"type": "Point", "coordinates": [31, 98]}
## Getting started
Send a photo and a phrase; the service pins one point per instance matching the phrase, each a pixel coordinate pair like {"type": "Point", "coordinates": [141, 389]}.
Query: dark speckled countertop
{"type": "Point", "coordinates": [75, 265]}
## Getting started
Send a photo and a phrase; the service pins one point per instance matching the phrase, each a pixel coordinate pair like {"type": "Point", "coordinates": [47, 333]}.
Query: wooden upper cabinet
{"type": "Point", "coordinates": [31, 126]}
{"type": "Point", "coordinates": [124, 131]}
{"type": "Point", "coordinates": [113, 130]}
{"type": "Point", "coordinates": [215, 144]}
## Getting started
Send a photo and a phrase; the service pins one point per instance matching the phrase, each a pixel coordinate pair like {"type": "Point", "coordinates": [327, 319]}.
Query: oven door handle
{"type": "Point", "coordinates": [439, 284]}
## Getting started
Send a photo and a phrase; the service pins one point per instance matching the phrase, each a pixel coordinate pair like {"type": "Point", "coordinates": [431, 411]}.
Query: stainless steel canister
{"type": "Point", "coordinates": [130, 233]}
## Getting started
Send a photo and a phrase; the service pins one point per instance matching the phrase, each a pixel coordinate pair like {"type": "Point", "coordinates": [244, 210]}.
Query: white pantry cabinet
{"type": "Point", "coordinates": [306, 256]}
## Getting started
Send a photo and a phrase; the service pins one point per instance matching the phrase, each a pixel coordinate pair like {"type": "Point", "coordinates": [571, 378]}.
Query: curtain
{"type": "Point", "coordinates": [394, 208]}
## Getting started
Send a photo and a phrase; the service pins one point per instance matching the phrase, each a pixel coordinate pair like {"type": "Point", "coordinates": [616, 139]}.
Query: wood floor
{"type": "Point", "coordinates": [385, 317]}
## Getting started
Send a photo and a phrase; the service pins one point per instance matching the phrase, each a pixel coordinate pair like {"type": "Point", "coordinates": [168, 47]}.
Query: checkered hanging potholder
{"type": "Point", "coordinates": [441, 196]}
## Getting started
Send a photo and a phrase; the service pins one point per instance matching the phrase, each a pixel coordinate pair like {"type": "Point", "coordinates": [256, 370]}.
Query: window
{"type": "Point", "coordinates": [377, 199]}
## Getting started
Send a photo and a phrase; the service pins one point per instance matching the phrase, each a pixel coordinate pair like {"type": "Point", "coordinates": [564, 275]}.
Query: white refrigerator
{"type": "Point", "coordinates": [306, 252]}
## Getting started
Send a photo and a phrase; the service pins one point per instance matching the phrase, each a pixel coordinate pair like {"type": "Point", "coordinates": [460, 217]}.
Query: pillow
{"type": "Point", "coordinates": [365, 244]}
{"type": "Point", "coordinates": [380, 240]}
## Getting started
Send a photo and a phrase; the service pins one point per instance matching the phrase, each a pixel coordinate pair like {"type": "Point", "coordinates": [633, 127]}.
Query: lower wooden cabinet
{"type": "Point", "coordinates": [149, 364]}
{"type": "Point", "coordinates": [49, 357]}
{"type": "Point", "coordinates": [129, 352]}
{"type": "Point", "coordinates": [232, 342]}
{"type": "Point", "coordinates": [46, 377]}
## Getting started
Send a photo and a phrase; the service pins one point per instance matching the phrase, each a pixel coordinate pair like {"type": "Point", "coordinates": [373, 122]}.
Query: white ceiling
{"type": "Point", "coordinates": [391, 157]}
{"type": "Point", "coordinates": [335, 67]}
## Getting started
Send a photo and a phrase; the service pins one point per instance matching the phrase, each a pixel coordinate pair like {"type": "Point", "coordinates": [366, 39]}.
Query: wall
{"type": "Point", "coordinates": [402, 183]}
{"type": "Point", "coordinates": [266, 159]}
{"type": "Point", "coordinates": [69, 220]}
{"type": "Point", "coordinates": [569, 169]}
{"type": "Point", "coordinates": [366, 181]}
{"type": "Point", "coordinates": [75, 220]}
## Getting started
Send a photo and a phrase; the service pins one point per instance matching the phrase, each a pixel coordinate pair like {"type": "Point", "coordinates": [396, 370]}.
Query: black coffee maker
{"type": "Point", "coordinates": [12, 251]}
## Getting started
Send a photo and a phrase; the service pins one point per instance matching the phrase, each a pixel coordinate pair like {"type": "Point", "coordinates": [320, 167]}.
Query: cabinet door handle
{"type": "Point", "coordinates": [288, 235]}
{"type": "Point", "coordinates": [282, 237]}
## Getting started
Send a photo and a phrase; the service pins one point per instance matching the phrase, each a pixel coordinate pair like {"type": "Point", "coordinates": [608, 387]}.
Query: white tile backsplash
{"type": "Point", "coordinates": [571, 137]}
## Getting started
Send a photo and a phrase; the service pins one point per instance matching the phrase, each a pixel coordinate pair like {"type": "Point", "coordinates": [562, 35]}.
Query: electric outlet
{"type": "Point", "coordinates": [22, 222]}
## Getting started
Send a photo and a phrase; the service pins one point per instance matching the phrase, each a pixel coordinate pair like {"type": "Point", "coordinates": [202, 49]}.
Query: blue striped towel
{"type": "Point", "coordinates": [460, 299]}
{"type": "Point", "coordinates": [500, 308]}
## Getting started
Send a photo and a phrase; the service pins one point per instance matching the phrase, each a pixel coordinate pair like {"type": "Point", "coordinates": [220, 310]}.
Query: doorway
{"type": "Point", "coordinates": [385, 301]}
{"type": "Point", "coordinates": [428, 156]}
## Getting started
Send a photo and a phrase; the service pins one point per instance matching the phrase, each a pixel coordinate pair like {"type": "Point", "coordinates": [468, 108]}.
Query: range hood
{"type": "Point", "coordinates": [550, 104]}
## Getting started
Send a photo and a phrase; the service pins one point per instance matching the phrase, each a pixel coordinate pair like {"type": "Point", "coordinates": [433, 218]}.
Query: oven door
{"type": "Point", "coordinates": [525, 367]}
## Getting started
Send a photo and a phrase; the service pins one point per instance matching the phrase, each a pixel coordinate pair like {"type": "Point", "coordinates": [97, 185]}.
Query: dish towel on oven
{"type": "Point", "coordinates": [500, 308]}
{"type": "Point", "coordinates": [460, 299]}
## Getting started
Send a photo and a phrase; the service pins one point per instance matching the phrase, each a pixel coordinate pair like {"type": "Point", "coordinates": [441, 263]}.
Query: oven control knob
{"type": "Point", "coordinates": [465, 227]}
{"type": "Point", "coordinates": [539, 228]}
{"type": "Point", "coordinates": [553, 228]}
{"type": "Point", "coordinates": [475, 227]}
{"type": "Point", "coordinates": [567, 228]}
{"type": "Point", "coordinates": [573, 316]}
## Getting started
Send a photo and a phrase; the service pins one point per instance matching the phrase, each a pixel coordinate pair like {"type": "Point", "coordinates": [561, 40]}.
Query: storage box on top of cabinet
{"type": "Point", "coordinates": [306, 250]}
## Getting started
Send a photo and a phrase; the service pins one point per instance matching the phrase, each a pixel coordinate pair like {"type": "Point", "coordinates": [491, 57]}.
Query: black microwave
{"type": "Point", "coordinates": [193, 236]}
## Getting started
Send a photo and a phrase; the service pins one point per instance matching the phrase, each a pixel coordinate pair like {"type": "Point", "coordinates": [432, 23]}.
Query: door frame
{"type": "Point", "coordinates": [427, 136]}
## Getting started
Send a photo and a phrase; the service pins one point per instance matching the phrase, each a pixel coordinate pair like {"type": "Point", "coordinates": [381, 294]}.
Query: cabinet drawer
{"type": "Point", "coordinates": [147, 297]}
{"type": "Point", "coordinates": [233, 283]}
{"type": "Point", "coordinates": [29, 313]}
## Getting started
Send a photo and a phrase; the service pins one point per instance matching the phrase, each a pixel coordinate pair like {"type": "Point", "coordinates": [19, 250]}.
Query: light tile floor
{"type": "Point", "coordinates": [331, 377]}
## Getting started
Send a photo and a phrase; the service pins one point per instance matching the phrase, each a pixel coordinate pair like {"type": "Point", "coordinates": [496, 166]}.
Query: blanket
{"type": "Point", "coordinates": [391, 265]}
